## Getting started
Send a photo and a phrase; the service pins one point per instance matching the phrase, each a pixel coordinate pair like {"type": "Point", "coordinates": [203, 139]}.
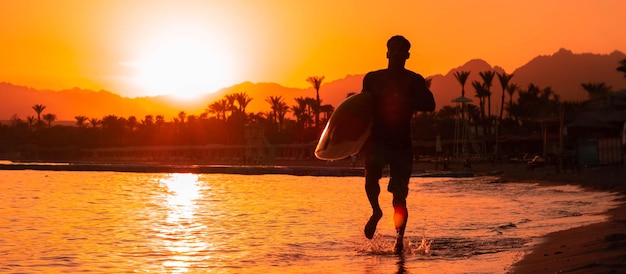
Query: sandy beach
{"type": "Point", "coordinates": [596, 248]}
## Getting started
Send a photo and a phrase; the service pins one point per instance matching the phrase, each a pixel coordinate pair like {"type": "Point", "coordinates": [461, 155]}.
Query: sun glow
{"type": "Point", "coordinates": [184, 66]}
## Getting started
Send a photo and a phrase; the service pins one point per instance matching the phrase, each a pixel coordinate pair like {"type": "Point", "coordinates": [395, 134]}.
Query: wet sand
{"type": "Point", "coordinates": [596, 248]}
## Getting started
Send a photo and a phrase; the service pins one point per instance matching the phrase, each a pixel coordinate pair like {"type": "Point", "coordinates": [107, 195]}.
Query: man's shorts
{"type": "Point", "coordinates": [400, 163]}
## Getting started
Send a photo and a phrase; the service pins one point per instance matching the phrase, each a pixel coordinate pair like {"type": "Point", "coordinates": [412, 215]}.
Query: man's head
{"type": "Point", "coordinates": [398, 51]}
{"type": "Point", "coordinates": [403, 42]}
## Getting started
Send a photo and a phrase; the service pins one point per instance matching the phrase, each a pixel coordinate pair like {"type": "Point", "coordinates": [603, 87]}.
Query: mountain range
{"type": "Point", "coordinates": [563, 71]}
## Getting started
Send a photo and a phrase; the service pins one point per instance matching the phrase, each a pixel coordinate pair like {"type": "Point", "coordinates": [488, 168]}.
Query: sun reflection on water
{"type": "Point", "coordinates": [181, 234]}
{"type": "Point", "coordinates": [183, 190]}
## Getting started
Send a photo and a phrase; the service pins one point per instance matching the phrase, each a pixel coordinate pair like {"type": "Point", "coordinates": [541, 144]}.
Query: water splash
{"type": "Point", "coordinates": [378, 245]}
{"type": "Point", "coordinates": [383, 245]}
{"type": "Point", "coordinates": [423, 248]}
{"type": "Point", "coordinates": [451, 248]}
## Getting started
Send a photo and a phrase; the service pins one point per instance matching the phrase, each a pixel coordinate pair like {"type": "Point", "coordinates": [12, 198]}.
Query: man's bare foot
{"type": "Point", "coordinates": [370, 227]}
{"type": "Point", "coordinates": [398, 247]}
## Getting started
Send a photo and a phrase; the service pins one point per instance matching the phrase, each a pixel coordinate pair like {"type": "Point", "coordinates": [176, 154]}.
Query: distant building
{"type": "Point", "coordinates": [598, 130]}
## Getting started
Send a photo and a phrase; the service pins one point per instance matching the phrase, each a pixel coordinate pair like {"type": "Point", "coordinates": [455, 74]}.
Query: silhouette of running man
{"type": "Point", "coordinates": [398, 93]}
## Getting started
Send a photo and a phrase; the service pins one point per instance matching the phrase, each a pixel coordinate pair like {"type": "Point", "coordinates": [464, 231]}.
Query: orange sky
{"type": "Point", "coordinates": [148, 47]}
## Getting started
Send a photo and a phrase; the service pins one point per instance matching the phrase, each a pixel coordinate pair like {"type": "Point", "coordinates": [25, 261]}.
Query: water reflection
{"type": "Point", "coordinates": [180, 233]}
{"type": "Point", "coordinates": [103, 222]}
{"type": "Point", "coordinates": [400, 264]}
{"type": "Point", "coordinates": [183, 191]}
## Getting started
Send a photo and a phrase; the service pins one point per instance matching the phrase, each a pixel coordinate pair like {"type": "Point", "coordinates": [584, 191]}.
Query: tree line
{"type": "Point", "coordinates": [224, 121]}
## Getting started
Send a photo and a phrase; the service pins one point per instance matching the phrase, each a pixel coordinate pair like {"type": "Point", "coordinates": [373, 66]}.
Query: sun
{"type": "Point", "coordinates": [182, 66]}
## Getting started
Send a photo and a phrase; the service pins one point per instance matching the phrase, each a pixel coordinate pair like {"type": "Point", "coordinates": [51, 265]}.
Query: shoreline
{"type": "Point", "coordinates": [594, 248]}
{"type": "Point", "coordinates": [189, 168]}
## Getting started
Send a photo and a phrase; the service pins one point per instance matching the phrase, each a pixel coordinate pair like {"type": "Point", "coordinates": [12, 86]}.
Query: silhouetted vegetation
{"type": "Point", "coordinates": [301, 121]}
{"type": "Point", "coordinates": [622, 67]}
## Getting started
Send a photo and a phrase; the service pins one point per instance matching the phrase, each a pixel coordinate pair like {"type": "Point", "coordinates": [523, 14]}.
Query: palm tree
{"type": "Point", "coordinates": [481, 94]}
{"type": "Point", "coordinates": [535, 103]}
{"type": "Point", "coordinates": [111, 122]}
{"type": "Point", "coordinates": [275, 105]}
{"type": "Point", "coordinates": [256, 117]}
{"type": "Point", "coordinates": [316, 81]}
{"type": "Point", "coordinates": [132, 123]}
{"type": "Point", "coordinates": [504, 83]}
{"type": "Point", "coordinates": [192, 119]}
{"type": "Point", "coordinates": [219, 108]}
{"type": "Point", "coordinates": [49, 118]}
{"type": "Point", "coordinates": [113, 128]}
{"type": "Point", "coordinates": [311, 103]}
{"type": "Point", "coordinates": [447, 112]}
{"type": "Point", "coordinates": [94, 122]}
{"type": "Point", "coordinates": [596, 91]}
{"type": "Point", "coordinates": [181, 116]}
{"type": "Point", "coordinates": [461, 76]}
{"type": "Point", "coordinates": [160, 120]}
{"type": "Point", "coordinates": [622, 67]}
{"type": "Point", "coordinates": [487, 77]}
{"type": "Point", "coordinates": [230, 106]}
{"type": "Point", "coordinates": [511, 89]}
{"type": "Point", "coordinates": [327, 110]}
{"type": "Point", "coordinates": [299, 111]}
{"type": "Point", "coordinates": [242, 100]}
{"type": "Point", "coordinates": [38, 109]}
{"type": "Point", "coordinates": [31, 121]}
{"type": "Point", "coordinates": [473, 115]}
{"type": "Point", "coordinates": [214, 108]}
{"type": "Point", "coordinates": [279, 109]}
{"type": "Point", "coordinates": [80, 120]}
{"type": "Point", "coordinates": [147, 121]}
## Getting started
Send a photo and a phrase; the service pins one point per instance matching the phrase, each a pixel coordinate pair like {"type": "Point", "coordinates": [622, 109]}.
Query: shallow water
{"type": "Point", "coordinates": [215, 223]}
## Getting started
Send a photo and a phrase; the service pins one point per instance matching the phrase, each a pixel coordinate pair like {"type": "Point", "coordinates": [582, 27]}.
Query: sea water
{"type": "Point", "coordinates": [112, 222]}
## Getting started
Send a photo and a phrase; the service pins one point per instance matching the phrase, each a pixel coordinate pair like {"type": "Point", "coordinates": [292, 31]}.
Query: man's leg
{"type": "Point", "coordinates": [372, 188]}
{"type": "Point", "coordinates": [401, 168]}
{"type": "Point", "coordinates": [374, 164]}
{"type": "Point", "coordinates": [400, 217]}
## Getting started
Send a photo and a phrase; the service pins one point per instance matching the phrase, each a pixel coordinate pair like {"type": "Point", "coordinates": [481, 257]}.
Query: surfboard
{"type": "Point", "coordinates": [347, 129]}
